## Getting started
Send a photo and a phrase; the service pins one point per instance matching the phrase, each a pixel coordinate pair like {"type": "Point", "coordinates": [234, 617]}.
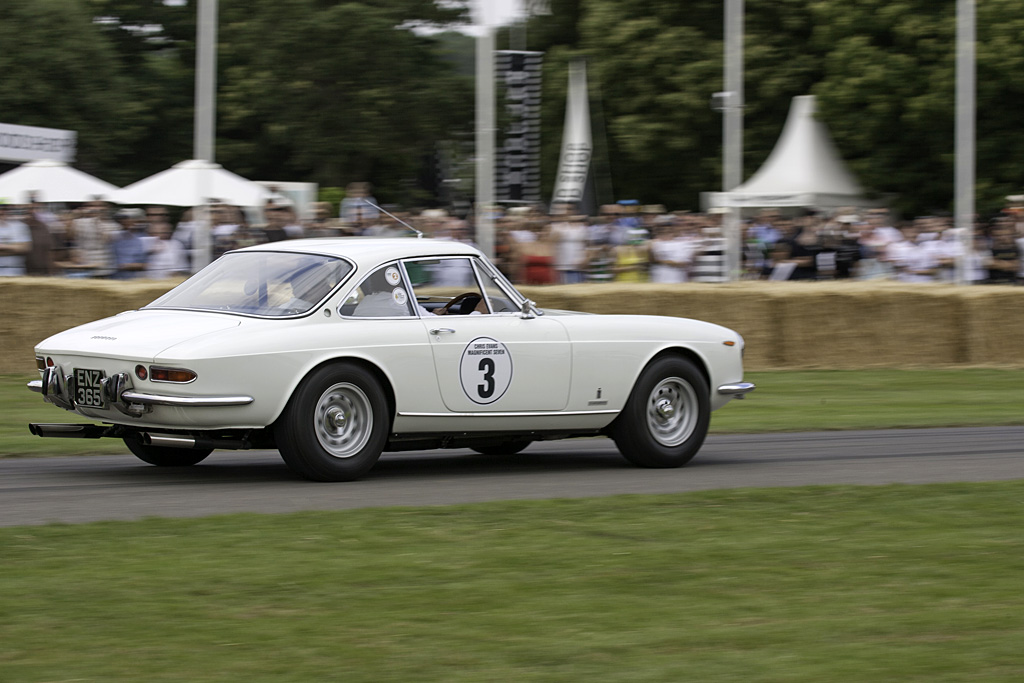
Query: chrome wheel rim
{"type": "Point", "coordinates": [343, 420]}
{"type": "Point", "coordinates": [672, 410]}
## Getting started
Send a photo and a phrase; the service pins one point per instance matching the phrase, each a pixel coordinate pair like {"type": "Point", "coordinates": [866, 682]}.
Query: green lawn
{"type": "Point", "coordinates": [783, 401]}
{"type": "Point", "coordinates": [894, 583]}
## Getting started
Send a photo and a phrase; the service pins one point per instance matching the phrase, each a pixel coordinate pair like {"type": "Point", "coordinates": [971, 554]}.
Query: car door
{"type": "Point", "coordinates": [492, 362]}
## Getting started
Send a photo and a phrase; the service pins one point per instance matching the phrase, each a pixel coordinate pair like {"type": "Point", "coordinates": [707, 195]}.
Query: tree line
{"type": "Point", "coordinates": [332, 91]}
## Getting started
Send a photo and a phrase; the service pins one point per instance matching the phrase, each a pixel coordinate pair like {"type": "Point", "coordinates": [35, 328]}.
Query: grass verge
{"type": "Point", "coordinates": [815, 584]}
{"type": "Point", "coordinates": [783, 401]}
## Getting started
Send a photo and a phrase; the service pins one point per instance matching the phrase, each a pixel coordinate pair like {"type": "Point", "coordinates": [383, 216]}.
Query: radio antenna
{"type": "Point", "coordinates": [419, 234]}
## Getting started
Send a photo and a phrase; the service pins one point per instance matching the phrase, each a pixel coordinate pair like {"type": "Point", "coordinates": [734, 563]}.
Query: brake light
{"type": "Point", "coordinates": [177, 375]}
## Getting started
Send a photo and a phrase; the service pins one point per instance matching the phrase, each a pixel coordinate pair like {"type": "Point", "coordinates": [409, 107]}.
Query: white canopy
{"type": "Point", "coordinates": [804, 169]}
{"type": "Point", "coordinates": [51, 181]}
{"type": "Point", "coordinates": [193, 183]}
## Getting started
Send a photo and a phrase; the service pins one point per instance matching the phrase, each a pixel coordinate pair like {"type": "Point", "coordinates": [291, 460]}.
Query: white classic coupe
{"type": "Point", "coordinates": [336, 350]}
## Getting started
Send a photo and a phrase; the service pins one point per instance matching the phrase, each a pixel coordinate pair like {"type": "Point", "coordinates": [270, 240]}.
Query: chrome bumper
{"type": "Point", "coordinates": [737, 390]}
{"type": "Point", "coordinates": [58, 389]}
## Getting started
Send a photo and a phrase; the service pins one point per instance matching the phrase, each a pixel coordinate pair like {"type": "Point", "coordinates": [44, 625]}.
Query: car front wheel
{"type": "Point", "coordinates": [335, 425]}
{"type": "Point", "coordinates": [666, 416]}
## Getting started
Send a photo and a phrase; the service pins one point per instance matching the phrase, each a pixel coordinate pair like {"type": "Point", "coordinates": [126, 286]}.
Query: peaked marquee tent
{"type": "Point", "coordinates": [51, 181]}
{"type": "Point", "coordinates": [193, 183]}
{"type": "Point", "coordinates": [804, 169]}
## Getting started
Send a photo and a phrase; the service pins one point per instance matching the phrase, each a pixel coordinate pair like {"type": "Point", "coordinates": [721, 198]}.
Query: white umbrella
{"type": "Point", "coordinates": [51, 181]}
{"type": "Point", "coordinates": [193, 183]}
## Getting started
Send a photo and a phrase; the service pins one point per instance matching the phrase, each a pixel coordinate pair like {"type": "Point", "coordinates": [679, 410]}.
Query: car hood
{"type": "Point", "coordinates": [138, 335]}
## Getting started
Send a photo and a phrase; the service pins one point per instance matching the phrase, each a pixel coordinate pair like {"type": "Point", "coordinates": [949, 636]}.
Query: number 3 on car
{"type": "Point", "coordinates": [334, 351]}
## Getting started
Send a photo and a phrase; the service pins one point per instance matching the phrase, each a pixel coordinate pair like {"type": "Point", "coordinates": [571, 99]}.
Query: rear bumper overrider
{"type": "Point", "coordinates": [58, 388]}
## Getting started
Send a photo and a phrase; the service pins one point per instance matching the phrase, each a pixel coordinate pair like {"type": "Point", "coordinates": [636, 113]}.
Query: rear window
{"type": "Point", "coordinates": [264, 283]}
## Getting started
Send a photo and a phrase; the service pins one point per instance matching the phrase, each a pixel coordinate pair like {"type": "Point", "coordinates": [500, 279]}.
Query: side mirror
{"type": "Point", "coordinates": [529, 310]}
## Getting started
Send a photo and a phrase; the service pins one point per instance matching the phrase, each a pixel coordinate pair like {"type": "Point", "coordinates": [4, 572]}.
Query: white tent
{"type": "Point", "coordinates": [193, 183]}
{"type": "Point", "coordinates": [804, 169]}
{"type": "Point", "coordinates": [51, 181]}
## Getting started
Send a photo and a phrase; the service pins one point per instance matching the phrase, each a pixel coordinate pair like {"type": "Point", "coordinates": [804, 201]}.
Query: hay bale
{"type": "Point", "coordinates": [836, 325]}
{"type": "Point", "coordinates": [994, 329]}
{"type": "Point", "coordinates": [32, 309]}
{"type": "Point", "coordinates": [844, 325]}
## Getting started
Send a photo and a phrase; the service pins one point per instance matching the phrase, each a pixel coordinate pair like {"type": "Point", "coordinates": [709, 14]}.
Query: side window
{"type": "Point", "coordinates": [381, 295]}
{"type": "Point", "coordinates": [439, 284]}
{"type": "Point", "coordinates": [500, 301]}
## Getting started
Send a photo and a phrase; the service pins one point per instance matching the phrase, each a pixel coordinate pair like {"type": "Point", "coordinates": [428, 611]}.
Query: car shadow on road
{"type": "Point", "coordinates": [267, 466]}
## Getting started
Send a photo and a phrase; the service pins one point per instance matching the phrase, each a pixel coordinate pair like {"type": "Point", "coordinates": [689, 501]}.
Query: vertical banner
{"type": "Point", "coordinates": [518, 164]}
{"type": "Point", "coordinates": [577, 145]}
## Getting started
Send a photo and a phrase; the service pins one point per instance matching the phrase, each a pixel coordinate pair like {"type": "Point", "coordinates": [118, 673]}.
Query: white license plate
{"type": "Point", "coordinates": [89, 388]}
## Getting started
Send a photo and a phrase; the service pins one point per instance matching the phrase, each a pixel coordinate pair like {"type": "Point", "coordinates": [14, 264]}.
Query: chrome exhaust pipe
{"type": "Point", "coordinates": [168, 441]}
{"type": "Point", "coordinates": [68, 431]}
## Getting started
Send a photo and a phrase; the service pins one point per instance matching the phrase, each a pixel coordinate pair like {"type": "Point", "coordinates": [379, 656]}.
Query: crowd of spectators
{"type": "Point", "coordinates": [624, 242]}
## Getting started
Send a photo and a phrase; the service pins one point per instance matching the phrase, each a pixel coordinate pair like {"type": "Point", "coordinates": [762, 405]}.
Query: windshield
{"type": "Point", "coordinates": [269, 283]}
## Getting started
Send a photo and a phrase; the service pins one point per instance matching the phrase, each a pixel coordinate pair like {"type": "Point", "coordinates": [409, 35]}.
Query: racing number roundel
{"type": "Point", "coordinates": [485, 370]}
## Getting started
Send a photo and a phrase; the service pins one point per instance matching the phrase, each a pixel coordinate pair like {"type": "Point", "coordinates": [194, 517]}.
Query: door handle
{"type": "Point", "coordinates": [442, 330]}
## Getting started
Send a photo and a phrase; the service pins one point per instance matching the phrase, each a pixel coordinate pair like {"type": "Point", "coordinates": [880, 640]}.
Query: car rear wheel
{"type": "Point", "coordinates": [335, 425]}
{"type": "Point", "coordinates": [666, 417]}
{"type": "Point", "coordinates": [163, 456]}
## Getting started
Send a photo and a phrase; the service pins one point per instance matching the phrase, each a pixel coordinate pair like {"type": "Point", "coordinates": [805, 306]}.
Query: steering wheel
{"type": "Point", "coordinates": [459, 300]}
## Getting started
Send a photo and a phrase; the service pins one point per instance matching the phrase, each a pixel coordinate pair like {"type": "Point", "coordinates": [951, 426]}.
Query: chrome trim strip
{"type": "Point", "coordinates": [131, 396]}
{"type": "Point", "coordinates": [739, 389]}
{"type": "Point", "coordinates": [524, 414]}
{"type": "Point", "coordinates": [36, 385]}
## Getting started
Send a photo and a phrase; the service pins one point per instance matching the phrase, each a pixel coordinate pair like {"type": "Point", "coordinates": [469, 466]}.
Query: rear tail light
{"type": "Point", "coordinates": [176, 375]}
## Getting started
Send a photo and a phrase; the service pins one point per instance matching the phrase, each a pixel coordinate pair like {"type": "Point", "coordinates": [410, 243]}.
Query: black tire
{"type": "Point", "coordinates": [335, 425]}
{"type": "Point", "coordinates": [503, 448]}
{"type": "Point", "coordinates": [666, 417]}
{"type": "Point", "coordinates": [163, 456]}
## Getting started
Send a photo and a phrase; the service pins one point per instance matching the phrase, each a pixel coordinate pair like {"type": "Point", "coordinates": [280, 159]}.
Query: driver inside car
{"type": "Point", "coordinates": [382, 299]}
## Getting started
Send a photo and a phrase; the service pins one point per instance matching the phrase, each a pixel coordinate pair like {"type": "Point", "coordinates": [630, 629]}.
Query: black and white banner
{"type": "Point", "coordinates": [28, 143]}
{"type": "Point", "coordinates": [577, 145]}
{"type": "Point", "coordinates": [518, 158]}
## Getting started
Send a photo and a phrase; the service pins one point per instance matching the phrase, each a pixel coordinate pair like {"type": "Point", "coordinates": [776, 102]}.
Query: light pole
{"type": "Point", "coordinates": [206, 81]}
{"type": "Point", "coordinates": [965, 114]}
{"type": "Point", "coordinates": [204, 129]}
{"type": "Point", "coordinates": [485, 127]}
{"type": "Point", "coordinates": [732, 132]}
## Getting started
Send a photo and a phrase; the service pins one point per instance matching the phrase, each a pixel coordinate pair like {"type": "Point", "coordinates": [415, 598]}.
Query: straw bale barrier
{"type": "Point", "coordinates": [834, 325]}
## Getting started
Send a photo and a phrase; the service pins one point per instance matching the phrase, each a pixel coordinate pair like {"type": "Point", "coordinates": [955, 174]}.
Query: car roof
{"type": "Point", "coordinates": [369, 251]}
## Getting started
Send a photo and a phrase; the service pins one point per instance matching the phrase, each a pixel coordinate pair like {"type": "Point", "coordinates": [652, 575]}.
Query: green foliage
{"type": "Point", "coordinates": [315, 90]}
{"type": "Point", "coordinates": [59, 72]}
{"type": "Point", "coordinates": [883, 72]}
{"type": "Point", "coordinates": [333, 91]}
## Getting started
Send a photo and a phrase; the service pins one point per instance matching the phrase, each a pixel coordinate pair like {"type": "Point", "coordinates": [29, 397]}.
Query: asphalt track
{"type": "Point", "coordinates": [86, 489]}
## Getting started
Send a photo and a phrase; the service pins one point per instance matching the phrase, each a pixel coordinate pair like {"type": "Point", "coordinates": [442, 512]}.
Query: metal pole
{"type": "Point", "coordinates": [206, 80]}
{"type": "Point", "coordinates": [732, 131]}
{"type": "Point", "coordinates": [485, 133]}
{"type": "Point", "coordinates": [965, 117]}
{"type": "Point", "coordinates": [205, 121]}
